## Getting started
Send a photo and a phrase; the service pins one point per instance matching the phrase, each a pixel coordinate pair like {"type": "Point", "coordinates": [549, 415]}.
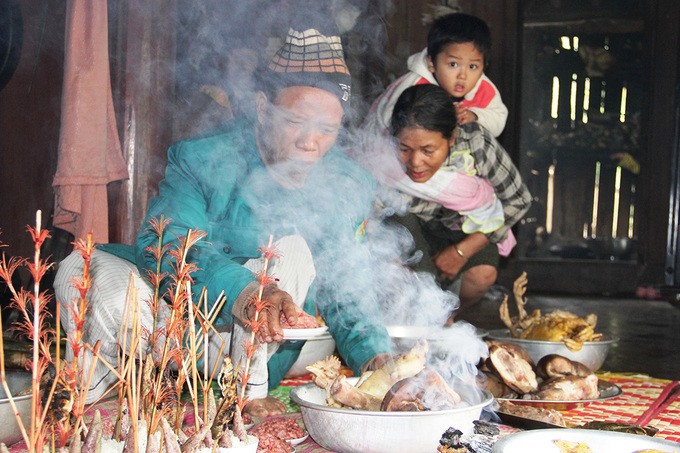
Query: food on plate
{"type": "Point", "coordinates": [559, 325]}
{"type": "Point", "coordinates": [567, 388]}
{"type": "Point", "coordinates": [274, 432]}
{"type": "Point", "coordinates": [304, 321]}
{"type": "Point", "coordinates": [555, 365]}
{"type": "Point", "coordinates": [403, 384]}
{"type": "Point", "coordinates": [618, 427]}
{"type": "Point", "coordinates": [512, 368]}
{"type": "Point", "coordinates": [285, 428]}
{"type": "Point", "coordinates": [268, 443]}
{"type": "Point", "coordinates": [507, 374]}
{"type": "Point", "coordinates": [533, 413]}
{"type": "Point", "coordinates": [566, 446]}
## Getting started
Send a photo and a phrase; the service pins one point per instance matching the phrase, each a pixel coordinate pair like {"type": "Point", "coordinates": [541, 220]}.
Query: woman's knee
{"type": "Point", "coordinates": [483, 276]}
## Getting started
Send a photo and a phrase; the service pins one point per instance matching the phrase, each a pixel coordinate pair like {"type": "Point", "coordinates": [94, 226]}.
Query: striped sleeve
{"type": "Point", "coordinates": [494, 164]}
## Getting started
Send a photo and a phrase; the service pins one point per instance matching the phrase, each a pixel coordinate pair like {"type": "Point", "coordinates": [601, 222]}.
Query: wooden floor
{"type": "Point", "coordinates": [648, 330]}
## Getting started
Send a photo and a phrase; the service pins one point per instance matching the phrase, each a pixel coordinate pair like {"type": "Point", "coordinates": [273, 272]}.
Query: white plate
{"type": "Point", "coordinates": [298, 441]}
{"type": "Point", "coordinates": [607, 391]}
{"type": "Point", "coordinates": [542, 440]}
{"type": "Point", "coordinates": [303, 334]}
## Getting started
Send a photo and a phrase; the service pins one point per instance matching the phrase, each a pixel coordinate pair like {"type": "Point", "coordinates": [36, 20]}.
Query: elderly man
{"type": "Point", "coordinates": [277, 174]}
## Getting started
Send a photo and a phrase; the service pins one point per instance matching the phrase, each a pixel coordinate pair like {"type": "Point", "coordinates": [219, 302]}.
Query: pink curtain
{"type": "Point", "coordinates": [90, 154]}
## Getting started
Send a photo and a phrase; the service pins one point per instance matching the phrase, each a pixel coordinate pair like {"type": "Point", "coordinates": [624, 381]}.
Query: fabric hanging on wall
{"type": "Point", "coordinates": [90, 154]}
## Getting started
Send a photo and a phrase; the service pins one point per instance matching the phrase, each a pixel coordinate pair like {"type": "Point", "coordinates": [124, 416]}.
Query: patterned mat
{"type": "Point", "coordinates": [639, 392]}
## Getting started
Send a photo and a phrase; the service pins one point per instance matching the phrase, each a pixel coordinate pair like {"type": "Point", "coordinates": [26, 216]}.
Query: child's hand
{"type": "Point", "coordinates": [464, 115]}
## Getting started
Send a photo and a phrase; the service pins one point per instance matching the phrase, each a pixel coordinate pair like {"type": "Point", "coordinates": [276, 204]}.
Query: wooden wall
{"type": "Point", "coordinates": [142, 45]}
{"type": "Point", "coordinates": [30, 110]}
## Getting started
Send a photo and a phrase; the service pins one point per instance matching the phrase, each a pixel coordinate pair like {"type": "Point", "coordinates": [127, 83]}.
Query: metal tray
{"type": "Point", "coordinates": [606, 388]}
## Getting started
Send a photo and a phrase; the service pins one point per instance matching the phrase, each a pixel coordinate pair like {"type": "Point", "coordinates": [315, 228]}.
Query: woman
{"type": "Point", "coordinates": [453, 212]}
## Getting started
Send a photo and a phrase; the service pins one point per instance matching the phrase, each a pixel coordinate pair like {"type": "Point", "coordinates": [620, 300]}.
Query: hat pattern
{"type": "Point", "coordinates": [312, 53]}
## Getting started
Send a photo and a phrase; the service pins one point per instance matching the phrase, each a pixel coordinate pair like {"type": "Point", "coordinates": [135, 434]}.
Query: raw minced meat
{"type": "Point", "coordinates": [304, 321]}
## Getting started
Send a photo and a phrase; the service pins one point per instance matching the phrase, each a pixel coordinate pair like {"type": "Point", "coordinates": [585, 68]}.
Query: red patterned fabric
{"type": "Point", "coordinates": [639, 392]}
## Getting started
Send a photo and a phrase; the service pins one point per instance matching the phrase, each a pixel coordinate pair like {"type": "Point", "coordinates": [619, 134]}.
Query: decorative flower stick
{"type": "Point", "coordinates": [268, 252]}
{"type": "Point", "coordinates": [35, 328]}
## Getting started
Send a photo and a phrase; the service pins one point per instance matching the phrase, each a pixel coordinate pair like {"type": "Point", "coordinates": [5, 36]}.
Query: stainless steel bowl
{"type": "Point", "coordinates": [439, 338]}
{"type": "Point", "coordinates": [592, 354]}
{"type": "Point", "coordinates": [17, 381]}
{"type": "Point", "coordinates": [314, 349]}
{"type": "Point", "coordinates": [354, 431]}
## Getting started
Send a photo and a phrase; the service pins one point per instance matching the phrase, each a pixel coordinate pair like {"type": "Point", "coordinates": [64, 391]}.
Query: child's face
{"type": "Point", "coordinates": [457, 68]}
{"type": "Point", "coordinates": [422, 152]}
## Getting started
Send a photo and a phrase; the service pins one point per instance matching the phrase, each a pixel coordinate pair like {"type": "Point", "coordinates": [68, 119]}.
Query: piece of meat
{"type": "Point", "coordinates": [514, 348]}
{"type": "Point", "coordinates": [325, 371]}
{"type": "Point", "coordinates": [493, 384]}
{"type": "Point", "coordinates": [285, 428]}
{"type": "Point", "coordinates": [426, 391]}
{"type": "Point", "coordinates": [568, 388]}
{"type": "Point", "coordinates": [531, 412]}
{"type": "Point", "coordinates": [304, 321]}
{"type": "Point", "coordinates": [406, 365]}
{"type": "Point", "coordinates": [346, 394]}
{"type": "Point", "coordinates": [555, 365]}
{"type": "Point", "coordinates": [269, 443]}
{"type": "Point", "coordinates": [515, 372]}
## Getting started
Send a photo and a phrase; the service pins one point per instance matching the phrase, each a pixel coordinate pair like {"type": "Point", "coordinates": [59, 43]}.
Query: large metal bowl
{"type": "Point", "coordinates": [439, 338]}
{"type": "Point", "coordinates": [355, 431]}
{"type": "Point", "coordinates": [17, 381]}
{"type": "Point", "coordinates": [592, 354]}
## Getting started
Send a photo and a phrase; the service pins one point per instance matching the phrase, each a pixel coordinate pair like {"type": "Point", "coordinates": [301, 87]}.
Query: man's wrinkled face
{"type": "Point", "coordinates": [296, 130]}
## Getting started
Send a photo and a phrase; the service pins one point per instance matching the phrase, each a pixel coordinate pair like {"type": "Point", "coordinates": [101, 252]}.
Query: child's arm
{"type": "Point", "coordinates": [485, 103]}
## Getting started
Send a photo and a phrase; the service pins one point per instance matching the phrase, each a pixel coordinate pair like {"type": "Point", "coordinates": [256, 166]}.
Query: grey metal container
{"type": "Point", "coordinates": [18, 382]}
{"type": "Point", "coordinates": [355, 431]}
{"type": "Point", "coordinates": [592, 354]}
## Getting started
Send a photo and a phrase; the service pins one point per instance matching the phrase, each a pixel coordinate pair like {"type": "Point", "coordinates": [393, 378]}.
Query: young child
{"type": "Point", "coordinates": [455, 58]}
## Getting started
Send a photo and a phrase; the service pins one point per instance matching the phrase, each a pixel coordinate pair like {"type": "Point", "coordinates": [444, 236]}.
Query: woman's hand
{"type": "Point", "coordinates": [449, 262]}
{"type": "Point", "coordinates": [276, 301]}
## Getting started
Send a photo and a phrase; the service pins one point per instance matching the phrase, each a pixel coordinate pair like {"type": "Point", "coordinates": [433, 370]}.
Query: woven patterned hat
{"type": "Point", "coordinates": [310, 58]}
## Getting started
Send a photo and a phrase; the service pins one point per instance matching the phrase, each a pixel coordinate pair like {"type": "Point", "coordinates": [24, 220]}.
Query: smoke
{"type": "Point", "coordinates": [214, 37]}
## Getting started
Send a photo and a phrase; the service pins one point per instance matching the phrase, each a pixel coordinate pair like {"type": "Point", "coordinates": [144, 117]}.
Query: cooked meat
{"type": "Point", "coordinates": [425, 391]}
{"type": "Point", "coordinates": [515, 372]}
{"type": "Point", "coordinates": [568, 388]}
{"type": "Point", "coordinates": [531, 412]}
{"type": "Point", "coordinates": [494, 385]}
{"type": "Point", "coordinates": [555, 365]}
{"type": "Point", "coordinates": [345, 393]}
{"type": "Point", "coordinates": [380, 381]}
{"type": "Point", "coordinates": [514, 348]}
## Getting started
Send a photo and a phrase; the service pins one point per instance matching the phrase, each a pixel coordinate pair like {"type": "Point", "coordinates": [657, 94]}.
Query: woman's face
{"type": "Point", "coordinates": [296, 131]}
{"type": "Point", "coordinates": [422, 152]}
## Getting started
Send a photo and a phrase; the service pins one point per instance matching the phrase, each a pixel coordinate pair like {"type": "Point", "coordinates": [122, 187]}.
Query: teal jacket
{"type": "Point", "coordinates": [219, 185]}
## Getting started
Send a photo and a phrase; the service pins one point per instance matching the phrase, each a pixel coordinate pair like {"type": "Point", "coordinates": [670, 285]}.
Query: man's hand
{"type": "Point", "coordinates": [276, 302]}
{"type": "Point", "coordinates": [265, 407]}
